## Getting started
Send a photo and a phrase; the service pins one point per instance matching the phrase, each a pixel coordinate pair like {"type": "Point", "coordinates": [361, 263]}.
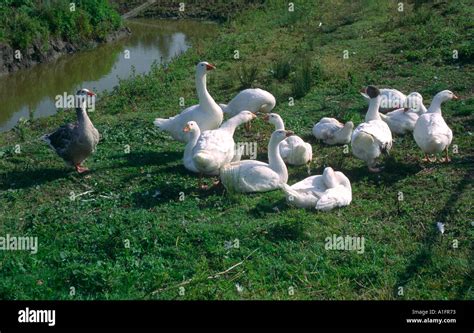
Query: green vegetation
{"type": "Point", "coordinates": [25, 22]}
{"type": "Point", "coordinates": [137, 197]}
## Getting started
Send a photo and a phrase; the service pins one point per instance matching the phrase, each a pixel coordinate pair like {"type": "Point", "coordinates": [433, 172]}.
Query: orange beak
{"type": "Point", "coordinates": [254, 116]}
{"type": "Point", "coordinates": [363, 90]}
{"type": "Point", "coordinates": [186, 128]}
{"type": "Point", "coordinates": [455, 97]}
{"type": "Point", "coordinates": [210, 67]}
{"type": "Point", "coordinates": [266, 117]}
{"type": "Point", "coordinates": [90, 93]}
{"type": "Point", "coordinates": [289, 133]}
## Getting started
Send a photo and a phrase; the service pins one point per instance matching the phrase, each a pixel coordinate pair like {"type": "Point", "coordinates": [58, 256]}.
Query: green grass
{"type": "Point", "coordinates": [137, 197]}
{"type": "Point", "coordinates": [25, 23]}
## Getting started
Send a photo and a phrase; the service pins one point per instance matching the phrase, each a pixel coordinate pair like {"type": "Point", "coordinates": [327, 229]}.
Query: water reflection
{"type": "Point", "coordinates": [30, 93]}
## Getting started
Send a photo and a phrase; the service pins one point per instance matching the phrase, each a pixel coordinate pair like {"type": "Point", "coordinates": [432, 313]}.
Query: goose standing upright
{"type": "Point", "coordinates": [323, 192]}
{"type": "Point", "coordinates": [390, 99]}
{"type": "Point", "coordinates": [332, 132]}
{"type": "Point", "coordinates": [255, 176]}
{"type": "Point", "coordinates": [215, 148]}
{"type": "Point", "coordinates": [253, 100]}
{"type": "Point", "coordinates": [372, 137]}
{"type": "Point", "coordinates": [293, 149]}
{"type": "Point", "coordinates": [431, 132]}
{"type": "Point", "coordinates": [403, 120]}
{"type": "Point", "coordinates": [207, 114]}
{"type": "Point", "coordinates": [75, 142]}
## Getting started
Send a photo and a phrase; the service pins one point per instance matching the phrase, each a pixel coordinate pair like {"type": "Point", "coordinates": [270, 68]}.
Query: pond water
{"type": "Point", "coordinates": [30, 93]}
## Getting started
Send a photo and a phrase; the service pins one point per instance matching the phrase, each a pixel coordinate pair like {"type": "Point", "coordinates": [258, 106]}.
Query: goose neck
{"type": "Point", "coordinates": [373, 111]}
{"type": "Point", "coordinates": [275, 161]}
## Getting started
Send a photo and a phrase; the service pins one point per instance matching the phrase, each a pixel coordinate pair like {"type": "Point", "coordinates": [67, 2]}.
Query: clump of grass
{"type": "Point", "coordinates": [303, 79]}
{"type": "Point", "coordinates": [247, 75]}
{"type": "Point", "coordinates": [281, 69]}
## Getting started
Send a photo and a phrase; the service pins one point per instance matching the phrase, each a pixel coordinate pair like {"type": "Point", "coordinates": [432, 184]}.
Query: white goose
{"type": "Point", "coordinates": [216, 148]}
{"type": "Point", "coordinates": [253, 100]}
{"type": "Point", "coordinates": [390, 99]}
{"type": "Point", "coordinates": [431, 132]}
{"type": "Point", "coordinates": [207, 114]}
{"type": "Point", "coordinates": [324, 192]}
{"type": "Point", "coordinates": [74, 142]}
{"type": "Point", "coordinates": [332, 132]}
{"type": "Point", "coordinates": [403, 120]}
{"type": "Point", "coordinates": [372, 137]}
{"type": "Point", "coordinates": [192, 128]}
{"type": "Point", "coordinates": [293, 149]}
{"type": "Point", "coordinates": [255, 176]}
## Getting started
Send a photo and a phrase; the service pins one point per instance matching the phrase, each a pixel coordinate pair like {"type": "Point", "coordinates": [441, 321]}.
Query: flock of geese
{"type": "Point", "coordinates": [210, 148]}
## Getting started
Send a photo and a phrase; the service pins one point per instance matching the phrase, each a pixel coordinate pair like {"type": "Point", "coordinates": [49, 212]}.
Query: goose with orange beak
{"type": "Point", "coordinates": [431, 132]}
{"type": "Point", "coordinates": [75, 142]}
{"type": "Point", "coordinates": [293, 150]}
{"type": "Point", "coordinates": [207, 114]}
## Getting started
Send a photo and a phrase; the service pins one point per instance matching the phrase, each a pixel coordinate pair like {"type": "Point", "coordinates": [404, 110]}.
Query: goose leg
{"type": "Point", "coordinates": [446, 159]}
{"type": "Point", "coordinates": [374, 170]}
{"type": "Point", "coordinates": [308, 167]}
{"type": "Point", "coordinates": [201, 185]}
{"type": "Point", "coordinates": [432, 160]}
{"type": "Point", "coordinates": [426, 158]}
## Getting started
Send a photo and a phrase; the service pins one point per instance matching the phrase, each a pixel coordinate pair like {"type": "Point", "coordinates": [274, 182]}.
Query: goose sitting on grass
{"type": "Point", "coordinates": [75, 142]}
{"type": "Point", "coordinates": [255, 176]}
{"type": "Point", "coordinates": [323, 192]}
{"type": "Point", "coordinates": [254, 100]}
{"type": "Point", "coordinates": [207, 151]}
{"type": "Point", "coordinates": [293, 149]}
{"type": "Point", "coordinates": [373, 137]}
{"type": "Point", "coordinates": [390, 99]}
{"type": "Point", "coordinates": [403, 120]}
{"type": "Point", "coordinates": [333, 132]}
{"type": "Point", "coordinates": [207, 114]}
{"type": "Point", "coordinates": [431, 132]}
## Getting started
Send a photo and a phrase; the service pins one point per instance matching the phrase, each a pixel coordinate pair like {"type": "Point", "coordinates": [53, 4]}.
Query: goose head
{"type": "Point", "coordinates": [84, 92]}
{"type": "Point", "coordinates": [274, 119]}
{"type": "Point", "coordinates": [246, 116]}
{"type": "Point", "coordinates": [445, 95]}
{"type": "Point", "coordinates": [414, 101]}
{"type": "Point", "coordinates": [82, 98]}
{"type": "Point", "coordinates": [280, 135]}
{"type": "Point", "coordinates": [203, 67]}
{"type": "Point", "coordinates": [349, 125]}
{"type": "Point", "coordinates": [371, 91]}
{"type": "Point", "coordinates": [191, 127]}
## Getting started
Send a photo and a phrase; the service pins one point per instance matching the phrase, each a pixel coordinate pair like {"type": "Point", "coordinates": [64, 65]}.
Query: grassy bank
{"type": "Point", "coordinates": [180, 236]}
{"type": "Point", "coordinates": [25, 22]}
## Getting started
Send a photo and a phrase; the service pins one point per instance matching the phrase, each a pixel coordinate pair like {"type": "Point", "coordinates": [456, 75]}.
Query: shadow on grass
{"type": "Point", "coordinates": [144, 158]}
{"type": "Point", "coordinates": [163, 192]}
{"type": "Point", "coordinates": [393, 172]}
{"type": "Point", "coordinates": [424, 256]}
{"type": "Point", "coordinates": [29, 178]}
{"type": "Point", "coordinates": [285, 232]}
{"type": "Point", "coordinates": [264, 208]}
